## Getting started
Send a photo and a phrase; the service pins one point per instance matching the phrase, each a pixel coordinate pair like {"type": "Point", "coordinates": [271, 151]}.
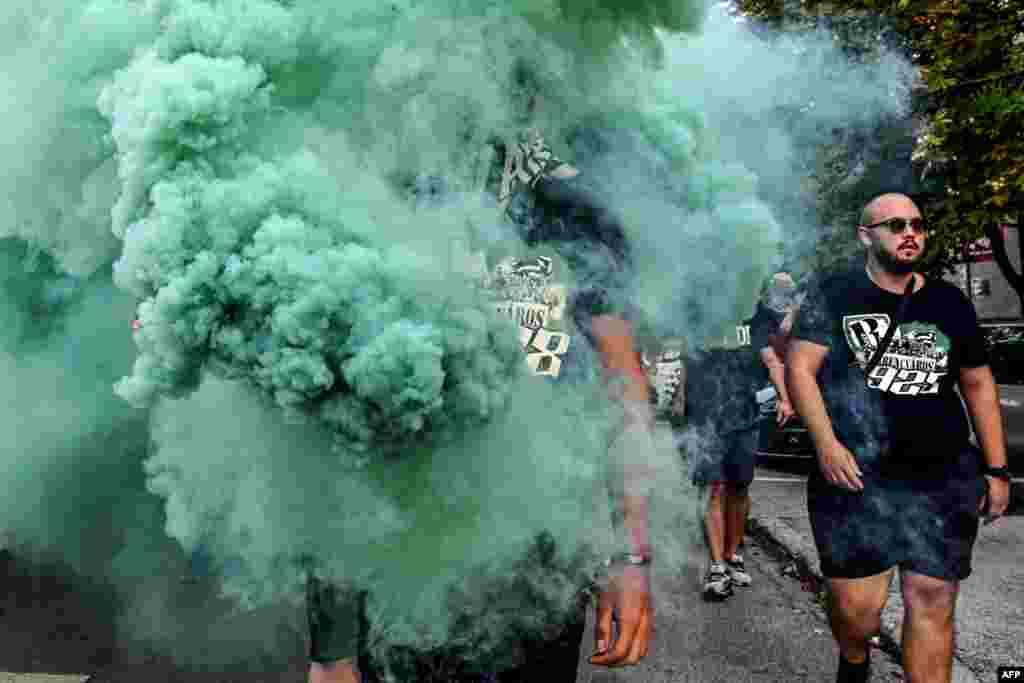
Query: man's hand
{"type": "Point", "coordinates": [626, 600]}
{"type": "Point", "coordinates": [996, 500]}
{"type": "Point", "coordinates": [783, 412]}
{"type": "Point", "coordinates": [839, 467]}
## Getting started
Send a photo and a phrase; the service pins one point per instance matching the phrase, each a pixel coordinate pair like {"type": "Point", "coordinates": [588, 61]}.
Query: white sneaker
{"type": "Point", "coordinates": [737, 572]}
{"type": "Point", "coordinates": [717, 584]}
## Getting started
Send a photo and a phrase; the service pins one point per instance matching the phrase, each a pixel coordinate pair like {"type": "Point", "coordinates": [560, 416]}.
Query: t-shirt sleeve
{"type": "Point", "coordinates": [816, 319]}
{"type": "Point", "coordinates": [763, 328]}
{"type": "Point", "coordinates": [592, 241]}
{"type": "Point", "coordinates": [968, 333]}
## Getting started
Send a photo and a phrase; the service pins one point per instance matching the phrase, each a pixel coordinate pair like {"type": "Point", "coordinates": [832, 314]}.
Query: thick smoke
{"type": "Point", "coordinates": [326, 391]}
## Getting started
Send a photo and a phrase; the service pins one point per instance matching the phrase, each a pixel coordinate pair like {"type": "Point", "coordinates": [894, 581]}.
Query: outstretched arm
{"type": "Point", "coordinates": [627, 596]}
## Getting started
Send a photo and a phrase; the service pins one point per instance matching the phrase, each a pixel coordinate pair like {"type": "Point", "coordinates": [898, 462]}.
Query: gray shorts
{"type": "Point", "coordinates": [727, 457]}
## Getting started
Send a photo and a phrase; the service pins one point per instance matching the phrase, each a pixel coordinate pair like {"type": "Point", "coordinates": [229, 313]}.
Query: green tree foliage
{"type": "Point", "coordinates": [970, 54]}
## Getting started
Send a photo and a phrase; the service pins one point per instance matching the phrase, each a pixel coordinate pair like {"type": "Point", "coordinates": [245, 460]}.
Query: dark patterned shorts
{"type": "Point", "coordinates": [921, 518]}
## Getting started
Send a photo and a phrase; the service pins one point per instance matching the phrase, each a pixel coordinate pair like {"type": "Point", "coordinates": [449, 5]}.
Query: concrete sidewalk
{"type": "Point", "coordinates": [783, 519]}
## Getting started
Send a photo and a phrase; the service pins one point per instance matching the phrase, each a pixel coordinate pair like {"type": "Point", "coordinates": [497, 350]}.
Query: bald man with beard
{"type": "Point", "coordinates": [898, 482]}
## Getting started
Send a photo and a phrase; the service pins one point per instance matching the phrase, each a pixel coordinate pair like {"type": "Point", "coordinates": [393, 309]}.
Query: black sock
{"type": "Point", "coordinates": [854, 673]}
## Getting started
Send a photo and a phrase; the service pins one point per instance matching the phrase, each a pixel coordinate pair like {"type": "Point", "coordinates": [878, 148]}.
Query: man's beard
{"type": "Point", "coordinates": [891, 264]}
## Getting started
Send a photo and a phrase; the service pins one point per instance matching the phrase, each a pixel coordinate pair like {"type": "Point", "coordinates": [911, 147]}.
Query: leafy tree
{"type": "Point", "coordinates": [971, 147]}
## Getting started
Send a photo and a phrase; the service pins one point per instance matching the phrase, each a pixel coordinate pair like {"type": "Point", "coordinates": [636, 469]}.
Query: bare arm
{"type": "Point", "coordinates": [803, 361]}
{"type": "Point", "coordinates": [777, 374]}
{"type": "Point", "coordinates": [979, 390]}
{"type": "Point", "coordinates": [776, 371]}
{"type": "Point", "coordinates": [621, 364]}
{"type": "Point", "coordinates": [981, 395]}
{"type": "Point", "coordinates": [627, 596]}
{"type": "Point", "coordinates": [837, 464]}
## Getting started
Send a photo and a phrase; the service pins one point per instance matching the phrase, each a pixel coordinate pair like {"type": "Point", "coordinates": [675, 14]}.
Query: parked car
{"type": "Point", "coordinates": [789, 441]}
{"type": "Point", "coordinates": [1006, 357]}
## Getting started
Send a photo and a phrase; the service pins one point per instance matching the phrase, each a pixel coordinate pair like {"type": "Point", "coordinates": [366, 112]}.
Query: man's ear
{"type": "Point", "coordinates": [863, 236]}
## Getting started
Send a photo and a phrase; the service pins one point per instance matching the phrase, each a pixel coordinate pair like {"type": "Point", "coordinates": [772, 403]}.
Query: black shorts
{"type": "Point", "coordinates": [338, 630]}
{"type": "Point", "coordinates": [725, 457]}
{"type": "Point", "coordinates": [925, 524]}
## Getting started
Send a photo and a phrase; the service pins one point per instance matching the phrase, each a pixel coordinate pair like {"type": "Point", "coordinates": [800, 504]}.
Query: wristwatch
{"type": "Point", "coordinates": [631, 559]}
{"type": "Point", "coordinates": [1002, 472]}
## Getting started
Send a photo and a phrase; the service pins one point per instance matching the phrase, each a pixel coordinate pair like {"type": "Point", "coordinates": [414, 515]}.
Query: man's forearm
{"type": "Point", "coordinates": [983, 403]}
{"type": "Point", "coordinates": [809, 405]}
{"type": "Point", "coordinates": [636, 524]}
{"type": "Point", "coordinates": [631, 451]}
{"type": "Point", "coordinates": [776, 372]}
{"type": "Point", "coordinates": [631, 456]}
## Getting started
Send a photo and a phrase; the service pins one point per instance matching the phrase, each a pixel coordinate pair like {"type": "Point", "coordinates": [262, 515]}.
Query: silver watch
{"type": "Point", "coordinates": [631, 559]}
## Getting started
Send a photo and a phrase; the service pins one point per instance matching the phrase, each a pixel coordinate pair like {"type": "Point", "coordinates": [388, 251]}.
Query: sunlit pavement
{"type": "Point", "coordinates": [990, 610]}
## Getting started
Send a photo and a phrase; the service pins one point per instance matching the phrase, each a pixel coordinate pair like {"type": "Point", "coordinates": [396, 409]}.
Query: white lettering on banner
{"type": "Point", "coordinates": [904, 382]}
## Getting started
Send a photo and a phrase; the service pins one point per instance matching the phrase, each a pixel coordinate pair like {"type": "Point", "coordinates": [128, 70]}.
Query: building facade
{"type": "Point", "coordinates": [984, 283]}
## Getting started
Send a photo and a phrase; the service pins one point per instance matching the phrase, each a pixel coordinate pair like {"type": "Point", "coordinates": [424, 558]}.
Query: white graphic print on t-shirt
{"type": "Point", "coordinates": [525, 291]}
{"type": "Point", "coordinates": [915, 362]}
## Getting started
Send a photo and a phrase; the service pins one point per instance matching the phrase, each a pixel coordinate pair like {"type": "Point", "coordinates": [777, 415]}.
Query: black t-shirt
{"type": "Point", "coordinates": [572, 265]}
{"type": "Point", "coordinates": [765, 332]}
{"type": "Point", "coordinates": [908, 410]}
{"type": "Point", "coordinates": [720, 387]}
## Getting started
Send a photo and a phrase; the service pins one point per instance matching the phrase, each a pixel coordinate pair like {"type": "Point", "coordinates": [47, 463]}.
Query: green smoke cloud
{"type": "Point", "coordinates": [248, 164]}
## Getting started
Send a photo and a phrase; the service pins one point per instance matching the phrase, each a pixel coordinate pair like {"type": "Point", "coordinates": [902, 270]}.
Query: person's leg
{"type": "Point", "coordinates": [855, 612]}
{"type": "Point", "coordinates": [336, 624]}
{"type": "Point", "coordinates": [739, 470]}
{"type": "Point", "coordinates": [715, 520]}
{"type": "Point", "coordinates": [709, 475]}
{"type": "Point", "coordinates": [717, 585]}
{"type": "Point", "coordinates": [342, 671]}
{"type": "Point", "coordinates": [737, 508]}
{"type": "Point", "coordinates": [930, 606]}
{"type": "Point", "coordinates": [859, 548]}
{"type": "Point", "coordinates": [942, 531]}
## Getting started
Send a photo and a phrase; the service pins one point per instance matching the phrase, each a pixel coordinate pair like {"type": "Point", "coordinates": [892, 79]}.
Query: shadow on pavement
{"type": "Point", "coordinates": [52, 622]}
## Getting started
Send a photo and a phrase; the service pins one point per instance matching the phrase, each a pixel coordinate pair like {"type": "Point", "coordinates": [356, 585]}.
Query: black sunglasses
{"type": "Point", "coordinates": [898, 224]}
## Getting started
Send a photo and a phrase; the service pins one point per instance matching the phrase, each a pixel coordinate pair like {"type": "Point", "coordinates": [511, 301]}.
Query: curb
{"type": "Point", "coordinates": [802, 552]}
